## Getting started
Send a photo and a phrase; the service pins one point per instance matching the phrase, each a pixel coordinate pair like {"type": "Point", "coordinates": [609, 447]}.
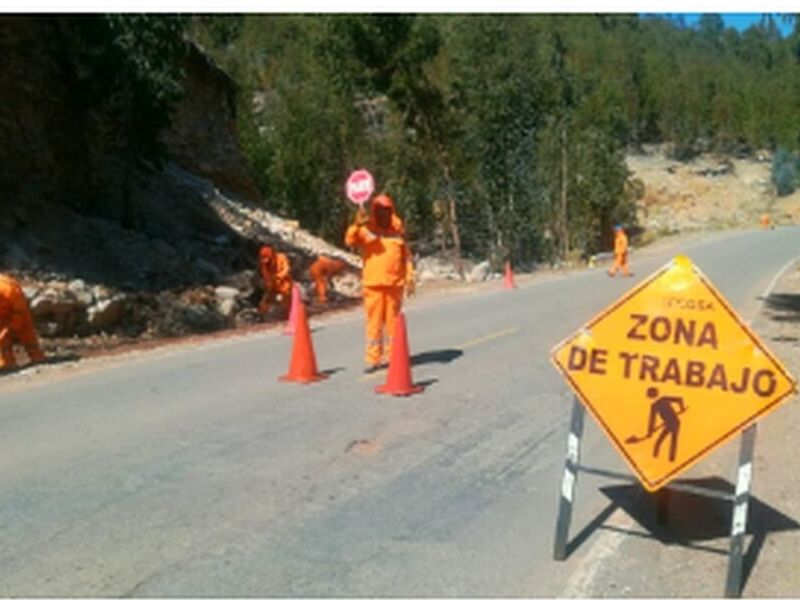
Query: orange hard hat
{"type": "Point", "coordinates": [383, 200]}
{"type": "Point", "coordinates": [266, 252]}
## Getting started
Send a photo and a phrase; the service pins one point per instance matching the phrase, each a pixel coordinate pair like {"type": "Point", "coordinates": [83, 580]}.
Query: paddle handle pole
{"type": "Point", "coordinates": [569, 480]}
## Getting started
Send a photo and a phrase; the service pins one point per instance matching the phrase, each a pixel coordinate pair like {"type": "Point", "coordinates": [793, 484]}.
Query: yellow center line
{"type": "Point", "coordinates": [468, 344]}
{"type": "Point", "coordinates": [487, 338]}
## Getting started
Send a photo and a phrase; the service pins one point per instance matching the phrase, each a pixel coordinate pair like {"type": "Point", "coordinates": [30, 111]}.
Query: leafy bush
{"type": "Point", "coordinates": [784, 172]}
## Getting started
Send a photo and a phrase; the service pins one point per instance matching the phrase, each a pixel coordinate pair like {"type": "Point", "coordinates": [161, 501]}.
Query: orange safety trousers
{"type": "Point", "coordinates": [620, 262]}
{"type": "Point", "coordinates": [382, 304]}
{"type": "Point", "coordinates": [321, 287]}
{"type": "Point", "coordinates": [272, 289]}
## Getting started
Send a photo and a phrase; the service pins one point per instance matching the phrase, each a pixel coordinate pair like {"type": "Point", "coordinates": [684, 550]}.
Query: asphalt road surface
{"type": "Point", "coordinates": [191, 471]}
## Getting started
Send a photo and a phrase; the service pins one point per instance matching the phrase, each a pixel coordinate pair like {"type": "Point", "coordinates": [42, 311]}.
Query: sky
{"type": "Point", "coordinates": [740, 21]}
{"type": "Point", "coordinates": [735, 13]}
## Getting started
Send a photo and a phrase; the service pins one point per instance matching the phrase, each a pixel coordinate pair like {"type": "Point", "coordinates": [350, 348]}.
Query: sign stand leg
{"type": "Point", "coordinates": [733, 583]}
{"type": "Point", "coordinates": [569, 480]}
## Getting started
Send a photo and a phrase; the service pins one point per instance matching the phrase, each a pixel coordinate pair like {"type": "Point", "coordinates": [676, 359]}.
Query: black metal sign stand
{"type": "Point", "coordinates": [739, 499]}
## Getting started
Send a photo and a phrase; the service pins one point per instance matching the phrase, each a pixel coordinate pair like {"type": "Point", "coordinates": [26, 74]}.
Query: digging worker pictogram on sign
{"type": "Point", "coordinates": [670, 424]}
{"type": "Point", "coordinates": [671, 372]}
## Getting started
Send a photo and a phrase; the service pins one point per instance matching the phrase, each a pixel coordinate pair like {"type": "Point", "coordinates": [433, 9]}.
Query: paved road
{"type": "Point", "coordinates": [191, 471]}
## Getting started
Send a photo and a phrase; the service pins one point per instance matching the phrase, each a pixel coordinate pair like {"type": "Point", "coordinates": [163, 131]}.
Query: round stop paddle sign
{"type": "Point", "coordinates": [360, 186]}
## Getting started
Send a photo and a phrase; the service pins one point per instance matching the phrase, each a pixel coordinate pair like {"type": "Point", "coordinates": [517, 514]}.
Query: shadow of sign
{"type": "Point", "coordinates": [693, 521]}
{"type": "Point", "coordinates": [783, 307]}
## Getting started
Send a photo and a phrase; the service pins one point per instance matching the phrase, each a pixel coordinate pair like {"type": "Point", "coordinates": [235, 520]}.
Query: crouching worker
{"type": "Point", "coordinates": [321, 271]}
{"type": "Point", "coordinates": [386, 275]}
{"type": "Point", "coordinates": [276, 275]}
{"type": "Point", "coordinates": [16, 325]}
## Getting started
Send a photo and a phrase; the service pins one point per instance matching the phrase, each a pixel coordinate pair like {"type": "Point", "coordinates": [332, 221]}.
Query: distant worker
{"type": "Point", "coordinates": [765, 221]}
{"type": "Point", "coordinates": [321, 270]}
{"type": "Point", "coordinates": [16, 325]}
{"type": "Point", "coordinates": [620, 252]}
{"type": "Point", "coordinates": [276, 275]}
{"type": "Point", "coordinates": [387, 272]}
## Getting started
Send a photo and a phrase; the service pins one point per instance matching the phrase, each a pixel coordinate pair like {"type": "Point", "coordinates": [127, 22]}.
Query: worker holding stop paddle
{"type": "Point", "coordinates": [387, 272]}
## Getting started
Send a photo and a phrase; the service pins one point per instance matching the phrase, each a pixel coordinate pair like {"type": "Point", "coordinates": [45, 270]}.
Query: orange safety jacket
{"type": "Point", "coordinates": [14, 311]}
{"type": "Point", "coordinates": [387, 261]}
{"type": "Point", "coordinates": [620, 243]}
{"type": "Point", "coordinates": [276, 272]}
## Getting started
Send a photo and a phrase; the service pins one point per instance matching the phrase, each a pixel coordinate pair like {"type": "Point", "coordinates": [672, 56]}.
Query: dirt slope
{"type": "Point", "coordinates": [709, 192]}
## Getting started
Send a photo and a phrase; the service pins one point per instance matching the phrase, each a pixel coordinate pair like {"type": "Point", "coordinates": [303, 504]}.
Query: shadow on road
{"type": "Point", "coordinates": [332, 371]}
{"type": "Point", "coordinates": [689, 519]}
{"type": "Point", "coordinates": [426, 383]}
{"type": "Point", "coordinates": [436, 356]}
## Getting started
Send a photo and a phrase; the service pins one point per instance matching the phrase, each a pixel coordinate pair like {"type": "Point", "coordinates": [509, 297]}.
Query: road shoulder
{"type": "Point", "coordinates": [626, 558]}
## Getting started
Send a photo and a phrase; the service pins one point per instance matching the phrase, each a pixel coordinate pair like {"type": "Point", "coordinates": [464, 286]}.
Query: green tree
{"type": "Point", "coordinates": [127, 69]}
{"type": "Point", "coordinates": [375, 57]}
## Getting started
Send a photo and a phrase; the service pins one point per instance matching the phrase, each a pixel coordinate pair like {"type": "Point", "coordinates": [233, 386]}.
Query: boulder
{"type": "Point", "coordinates": [226, 293]}
{"type": "Point", "coordinates": [479, 272]}
{"type": "Point", "coordinates": [106, 313]}
{"type": "Point", "coordinates": [81, 292]}
{"type": "Point", "coordinates": [57, 312]}
{"type": "Point", "coordinates": [50, 302]}
{"type": "Point", "coordinates": [247, 316]}
{"type": "Point", "coordinates": [201, 319]}
{"type": "Point", "coordinates": [432, 269]}
{"type": "Point", "coordinates": [101, 292]}
{"type": "Point", "coordinates": [226, 307]}
{"type": "Point", "coordinates": [30, 292]}
{"type": "Point", "coordinates": [76, 285]}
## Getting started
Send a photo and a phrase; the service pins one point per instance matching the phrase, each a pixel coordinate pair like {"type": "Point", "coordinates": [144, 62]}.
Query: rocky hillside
{"type": "Point", "coordinates": [190, 269]}
{"type": "Point", "coordinates": [186, 262]}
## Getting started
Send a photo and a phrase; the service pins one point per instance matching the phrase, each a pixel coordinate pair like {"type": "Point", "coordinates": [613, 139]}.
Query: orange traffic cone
{"type": "Point", "coordinates": [398, 379]}
{"type": "Point", "coordinates": [303, 366]}
{"type": "Point", "coordinates": [291, 325]}
{"type": "Point", "coordinates": [509, 283]}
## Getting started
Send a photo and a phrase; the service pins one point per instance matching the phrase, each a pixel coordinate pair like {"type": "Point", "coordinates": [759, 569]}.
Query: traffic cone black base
{"type": "Point", "coordinates": [398, 379]}
{"type": "Point", "coordinates": [303, 364]}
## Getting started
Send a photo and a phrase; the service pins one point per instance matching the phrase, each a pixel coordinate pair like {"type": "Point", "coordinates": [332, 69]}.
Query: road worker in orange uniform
{"type": "Point", "coordinates": [276, 273]}
{"type": "Point", "coordinates": [388, 272]}
{"type": "Point", "coordinates": [765, 221]}
{"type": "Point", "coordinates": [620, 252]}
{"type": "Point", "coordinates": [321, 270]}
{"type": "Point", "coordinates": [16, 324]}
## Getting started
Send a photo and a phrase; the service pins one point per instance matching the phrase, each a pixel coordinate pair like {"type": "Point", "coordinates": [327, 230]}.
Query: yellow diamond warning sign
{"type": "Point", "coordinates": [670, 372]}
